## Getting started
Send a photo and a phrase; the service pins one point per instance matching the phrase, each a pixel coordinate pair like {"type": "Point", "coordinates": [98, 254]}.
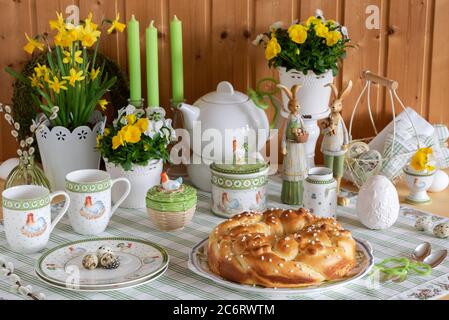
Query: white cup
{"type": "Point", "coordinates": [90, 200]}
{"type": "Point", "coordinates": [27, 216]}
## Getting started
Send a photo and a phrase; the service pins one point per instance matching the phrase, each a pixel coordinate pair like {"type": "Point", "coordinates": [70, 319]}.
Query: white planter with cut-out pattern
{"type": "Point", "coordinates": [63, 151]}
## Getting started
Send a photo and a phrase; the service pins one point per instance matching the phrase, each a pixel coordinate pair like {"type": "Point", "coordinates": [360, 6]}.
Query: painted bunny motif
{"type": "Point", "coordinates": [293, 147]}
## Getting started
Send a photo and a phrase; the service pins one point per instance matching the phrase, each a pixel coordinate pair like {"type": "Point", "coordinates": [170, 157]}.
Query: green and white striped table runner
{"type": "Point", "coordinates": [180, 283]}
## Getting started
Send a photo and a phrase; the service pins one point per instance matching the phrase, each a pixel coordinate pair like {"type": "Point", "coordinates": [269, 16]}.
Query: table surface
{"type": "Point", "coordinates": [179, 282]}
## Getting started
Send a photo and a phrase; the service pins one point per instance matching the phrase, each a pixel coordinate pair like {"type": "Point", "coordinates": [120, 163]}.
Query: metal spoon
{"type": "Point", "coordinates": [421, 251]}
{"type": "Point", "coordinates": [436, 258]}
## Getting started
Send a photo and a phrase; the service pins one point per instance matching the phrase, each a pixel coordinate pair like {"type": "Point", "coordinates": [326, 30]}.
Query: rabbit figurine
{"type": "Point", "coordinates": [293, 149]}
{"type": "Point", "coordinates": [336, 138]}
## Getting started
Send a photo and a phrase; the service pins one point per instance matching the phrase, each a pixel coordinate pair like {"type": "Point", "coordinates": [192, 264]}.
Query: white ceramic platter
{"type": "Point", "coordinates": [365, 261]}
{"type": "Point", "coordinates": [140, 261]}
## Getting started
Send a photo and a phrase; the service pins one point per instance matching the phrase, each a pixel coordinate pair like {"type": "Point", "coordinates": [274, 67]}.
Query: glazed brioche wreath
{"type": "Point", "coordinates": [281, 248]}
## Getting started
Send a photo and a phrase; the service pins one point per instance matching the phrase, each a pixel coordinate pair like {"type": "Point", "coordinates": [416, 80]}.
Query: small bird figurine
{"type": "Point", "coordinates": [229, 204]}
{"type": "Point", "coordinates": [170, 185]}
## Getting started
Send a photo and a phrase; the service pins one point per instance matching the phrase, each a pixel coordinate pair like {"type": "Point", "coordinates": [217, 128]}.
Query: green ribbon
{"type": "Point", "coordinates": [401, 267]}
{"type": "Point", "coordinates": [262, 98]}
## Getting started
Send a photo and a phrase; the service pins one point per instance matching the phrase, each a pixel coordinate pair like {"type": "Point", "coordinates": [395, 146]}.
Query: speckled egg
{"type": "Point", "coordinates": [441, 230]}
{"type": "Point", "coordinates": [101, 251]}
{"type": "Point", "coordinates": [109, 261]}
{"type": "Point", "coordinates": [424, 223]}
{"type": "Point", "coordinates": [90, 261]}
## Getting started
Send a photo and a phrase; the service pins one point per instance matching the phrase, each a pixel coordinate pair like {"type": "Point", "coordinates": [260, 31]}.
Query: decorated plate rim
{"type": "Point", "coordinates": [368, 250]}
{"type": "Point", "coordinates": [42, 274]}
{"type": "Point", "coordinates": [122, 286]}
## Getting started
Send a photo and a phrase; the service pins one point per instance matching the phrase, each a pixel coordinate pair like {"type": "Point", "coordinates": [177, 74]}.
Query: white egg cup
{"type": "Point", "coordinates": [418, 184]}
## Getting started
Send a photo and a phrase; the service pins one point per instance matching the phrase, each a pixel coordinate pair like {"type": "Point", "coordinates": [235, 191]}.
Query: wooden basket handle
{"type": "Point", "coordinates": [391, 84]}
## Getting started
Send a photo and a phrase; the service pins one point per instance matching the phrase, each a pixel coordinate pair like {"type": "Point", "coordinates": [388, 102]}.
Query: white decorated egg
{"type": "Point", "coordinates": [378, 203]}
{"type": "Point", "coordinates": [440, 181]}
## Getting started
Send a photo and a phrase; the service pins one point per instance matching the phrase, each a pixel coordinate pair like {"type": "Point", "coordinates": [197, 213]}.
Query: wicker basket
{"type": "Point", "coordinates": [169, 221]}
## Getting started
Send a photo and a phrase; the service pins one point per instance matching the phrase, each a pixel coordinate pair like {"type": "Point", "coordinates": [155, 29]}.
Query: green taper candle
{"type": "Point", "coordinates": [176, 60]}
{"type": "Point", "coordinates": [152, 66]}
{"type": "Point", "coordinates": [135, 84]}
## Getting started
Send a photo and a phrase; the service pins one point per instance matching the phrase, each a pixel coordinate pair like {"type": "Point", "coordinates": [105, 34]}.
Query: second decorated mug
{"type": "Point", "coordinates": [90, 200]}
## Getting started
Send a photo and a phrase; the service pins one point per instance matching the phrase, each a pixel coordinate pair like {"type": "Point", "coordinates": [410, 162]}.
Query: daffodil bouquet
{"type": "Point", "coordinates": [71, 79]}
{"type": "Point", "coordinates": [316, 44]}
{"type": "Point", "coordinates": [136, 137]}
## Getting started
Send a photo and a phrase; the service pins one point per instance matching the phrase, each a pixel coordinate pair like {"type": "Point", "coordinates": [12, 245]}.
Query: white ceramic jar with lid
{"type": "Point", "coordinates": [320, 192]}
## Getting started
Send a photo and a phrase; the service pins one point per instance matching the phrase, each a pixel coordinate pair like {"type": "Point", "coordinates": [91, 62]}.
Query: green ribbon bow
{"type": "Point", "coordinates": [262, 98]}
{"type": "Point", "coordinates": [401, 267]}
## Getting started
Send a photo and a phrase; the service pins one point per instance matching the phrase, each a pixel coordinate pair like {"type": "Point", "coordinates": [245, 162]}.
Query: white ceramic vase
{"type": "Point", "coordinates": [63, 151]}
{"type": "Point", "coordinates": [313, 98]}
{"type": "Point", "coordinates": [142, 178]}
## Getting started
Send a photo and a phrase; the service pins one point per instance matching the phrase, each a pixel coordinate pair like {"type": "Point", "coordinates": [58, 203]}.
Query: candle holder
{"type": "Point", "coordinates": [177, 170]}
{"type": "Point", "coordinates": [137, 103]}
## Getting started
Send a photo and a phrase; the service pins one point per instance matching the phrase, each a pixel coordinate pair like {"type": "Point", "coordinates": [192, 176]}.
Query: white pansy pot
{"type": "Point", "coordinates": [142, 178]}
{"type": "Point", "coordinates": [313, 97]}
{"type": "Point", "coordinates": [63, 151]}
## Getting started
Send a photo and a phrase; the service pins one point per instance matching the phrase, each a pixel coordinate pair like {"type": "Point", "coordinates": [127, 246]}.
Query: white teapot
{"type": "Point", "coordinates": [226, 110]}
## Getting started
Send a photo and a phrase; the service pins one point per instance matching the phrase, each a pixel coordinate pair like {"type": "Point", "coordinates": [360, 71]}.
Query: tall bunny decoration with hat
{"type": "Point", "coordinates": [293, 149]}
{"type": "Point", "coordinates": [336, 138]}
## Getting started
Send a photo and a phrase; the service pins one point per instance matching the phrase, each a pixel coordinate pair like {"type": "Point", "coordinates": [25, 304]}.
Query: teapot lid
{"type": "Point", "coordinates": [225, 94]}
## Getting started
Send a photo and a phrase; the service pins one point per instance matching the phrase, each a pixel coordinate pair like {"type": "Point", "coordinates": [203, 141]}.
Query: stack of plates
{"type": "Point", "coordinates": [140, 262]}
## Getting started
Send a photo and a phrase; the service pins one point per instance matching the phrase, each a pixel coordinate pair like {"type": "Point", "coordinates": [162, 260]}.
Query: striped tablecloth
{"type": "Point", "coordinates": [180, 283]}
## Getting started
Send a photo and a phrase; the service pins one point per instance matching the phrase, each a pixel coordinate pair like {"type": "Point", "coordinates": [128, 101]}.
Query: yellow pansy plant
{"type": "Point", "coordinates": [273, 48]}
{"type": "Point", "coordinates": [298, 33]}
{"type": "Point", "coordinates": [316, 45]}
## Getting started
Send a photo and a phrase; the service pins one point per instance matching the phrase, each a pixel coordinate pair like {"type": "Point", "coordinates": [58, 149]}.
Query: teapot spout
{"type": "Point", "coordinates": [190, 114]}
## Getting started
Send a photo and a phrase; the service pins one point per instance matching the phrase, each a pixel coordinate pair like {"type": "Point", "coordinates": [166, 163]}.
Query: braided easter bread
{"type": "Point", "coordinates": [281, 248]}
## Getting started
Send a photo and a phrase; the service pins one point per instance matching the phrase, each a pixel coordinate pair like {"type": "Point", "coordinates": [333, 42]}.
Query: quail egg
{"type": "Point", "coordinates": [424, 223]}
{"type": "Point", "coordinates": [90, 261]}
{"type": "Point", "coordinates": [101, 251]}
{"type": "Point", "coordinates": [441, 230]}
{"type": "Point", "coordinates": [109, 261]}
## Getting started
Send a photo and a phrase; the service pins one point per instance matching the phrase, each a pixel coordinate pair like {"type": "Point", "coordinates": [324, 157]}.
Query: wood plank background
{"type": "Point", "coordinates": [411, 45]}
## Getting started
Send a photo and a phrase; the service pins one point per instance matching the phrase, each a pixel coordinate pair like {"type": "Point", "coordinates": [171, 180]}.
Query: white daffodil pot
{"type": "Point", "coordinates": [142, 178]}
{"type": "Point", "coordinates": [313, 97]}
{"type": "Point", "coordinates": [63, 151]}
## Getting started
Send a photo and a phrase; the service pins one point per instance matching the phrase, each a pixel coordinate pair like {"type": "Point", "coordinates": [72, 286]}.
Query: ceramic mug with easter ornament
{"type": "Point", "coordinates": [90, 194]}
{"type": "Point", "coordinates": [27, 216]}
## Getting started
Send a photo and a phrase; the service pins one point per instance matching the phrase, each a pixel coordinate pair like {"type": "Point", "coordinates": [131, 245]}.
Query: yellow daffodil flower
{"type": "Point", "coordinates": [273, 48]}
{"type": "Point", "coordinates": [131, 118]}
{"type": "Point", "coordinates": [313, 20]}
{"type": "Point", "coordinates": [117, 141]}
{"type": "Point", "coordinates": [41, 70]}
{"type": "Point", "coordinates": [116, 25]}
{"type": "Point", "coordinates": [35, 81]}
{"type": "Point", "coordinates": [77, 56]}
{"type": "Point", "coordinates": [89, 34]}
{"type": "Point", "coordinates": [74, 76]}
{"type": "Point", "coordinates": [59, 23]}
{"type": "Point", "coordinates": [99, 137]}
{"type": "Point", "coordinates": [32, 44]}
{"type": "Point", "coordinates": [103, 103]}
{"type": "Point", "coordinates": [332, 37]}
{"type": "Point", "coordinates": [321, 30]}
{"type": "Point", "coordinates": [297, 33]}
{"type": "Point", "coordinates": [420, 160]}
{"type": "Point", "coordinates": [131, 134]}
{"type": "Point", "coordinates": [142, 124]}
{"type": "Point", "coordinates": [64, 39]}
{"type": "Point", "coordinates": [94, 73]}
{"type": "Point", "coordinates": [57, 85]}
{"type": "Point", "coordinates": [106, 132]}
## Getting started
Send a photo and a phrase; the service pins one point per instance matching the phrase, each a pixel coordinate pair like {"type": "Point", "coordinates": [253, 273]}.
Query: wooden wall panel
{"type": "Point", "coordinates": [411, 46]}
